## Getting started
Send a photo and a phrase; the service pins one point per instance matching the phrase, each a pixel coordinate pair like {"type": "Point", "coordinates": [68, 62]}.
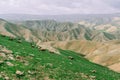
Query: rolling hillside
{"type": "Point", "coordinates": [95, 41]}
{"type": "Point", "coordinates": [19, 60]}
{"type": "Point", "coordinates": [105, 53]}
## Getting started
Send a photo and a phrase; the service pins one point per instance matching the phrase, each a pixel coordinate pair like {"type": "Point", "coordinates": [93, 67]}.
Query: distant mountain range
{"type": "Point", "coordinates": [62, 18]}
{"type": "Point", "coordinates": [50, 30]}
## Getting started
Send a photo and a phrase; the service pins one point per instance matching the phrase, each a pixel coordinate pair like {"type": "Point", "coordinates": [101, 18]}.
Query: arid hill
{"type": "Point", "coordinates": [104, 53]}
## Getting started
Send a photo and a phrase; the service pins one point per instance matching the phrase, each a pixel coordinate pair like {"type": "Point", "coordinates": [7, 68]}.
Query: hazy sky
{"type": "Point", "coordinates": [47, 7]}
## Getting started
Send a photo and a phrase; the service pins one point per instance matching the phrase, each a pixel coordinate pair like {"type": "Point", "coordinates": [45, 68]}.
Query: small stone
{"type": "Point", "coordinates": [46, 78]}
{"type": "Point", "coordinates": [0, 76]}
{"type": "Point", "coordinates": [7, 51]}
{"type": "Point", "coordinates": [1, 62]}
{"type": "Point", "coordinates": [7, 78]}
{"type": "Point", "coordinates": [9, 64]}
{"type": "Point", "coordinates": [11, 58]}
{"type": "Point", "coordinates": [2, 55]}
{"type": "Point", "coordinates": [83, 75]}
{"type": "Point", "coordinates": [20, 73]}
{"type": "Point", "coordinates": [30, 72]}
{"type": "Point", "coordinates": [70, 57]}
{"type": "Point", "coordinates": [19, 57]}
{"type": "Point", "coordinates": [93, 77]}
{"type": "Point", "coordinates": [42, 49]}
{"type": "Point", "coordinates": [93, 71]}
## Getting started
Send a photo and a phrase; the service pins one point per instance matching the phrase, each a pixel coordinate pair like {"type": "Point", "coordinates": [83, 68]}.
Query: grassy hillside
{"type": "Point", "coordinates": [35, 64]}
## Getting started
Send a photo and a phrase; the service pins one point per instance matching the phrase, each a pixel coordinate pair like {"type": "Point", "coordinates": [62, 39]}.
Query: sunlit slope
{"type": "Point", "coordinates": [105, 53]}
{"type": "Point", "coordinates": [20, 60]}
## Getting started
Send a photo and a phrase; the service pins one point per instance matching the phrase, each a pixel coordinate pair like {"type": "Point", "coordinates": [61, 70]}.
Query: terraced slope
{"type": "Point", "coordinates": [21, 61]}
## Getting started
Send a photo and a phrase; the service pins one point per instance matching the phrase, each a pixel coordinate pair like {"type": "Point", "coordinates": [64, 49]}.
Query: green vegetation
{"type": "Point", "coordinates": [42, 65]}
{"type": "Point", "coordinates": [109, 36]}
{"type": "Point", "coordinates": [87, 37]}
{"type": "Point", "coordinates": [10, 26]}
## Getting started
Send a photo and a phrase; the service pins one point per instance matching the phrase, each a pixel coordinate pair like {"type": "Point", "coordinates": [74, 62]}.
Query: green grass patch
{"type": "Point", "coordinates": [44, 64]}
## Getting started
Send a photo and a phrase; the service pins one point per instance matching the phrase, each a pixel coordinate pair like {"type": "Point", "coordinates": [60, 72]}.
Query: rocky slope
{"type": "Point", "coordinates": [23, 61]}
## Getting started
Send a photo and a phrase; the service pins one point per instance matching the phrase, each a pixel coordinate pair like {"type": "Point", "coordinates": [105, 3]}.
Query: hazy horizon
{"type": "Point", "coordinates": [58, 7]}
